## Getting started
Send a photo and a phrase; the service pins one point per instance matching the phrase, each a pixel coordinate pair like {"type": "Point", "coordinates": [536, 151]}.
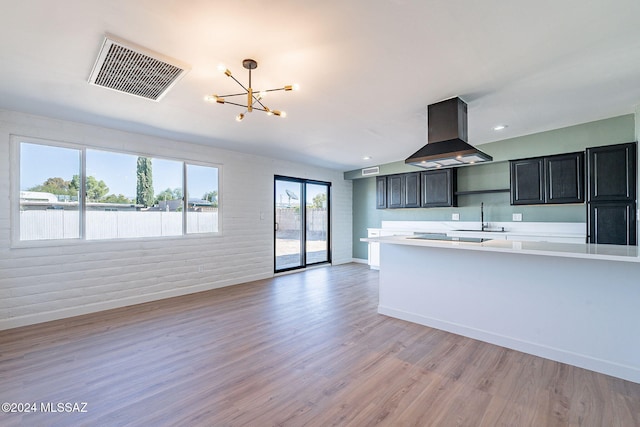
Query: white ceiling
{"type": "Point", "coordinates": [367, 68]}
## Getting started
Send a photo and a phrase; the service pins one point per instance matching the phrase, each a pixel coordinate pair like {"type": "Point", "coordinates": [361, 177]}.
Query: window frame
{"type": "Point", "coordinates": [185, 164]}
{"type": "Point", "coordinates": [14, 197]}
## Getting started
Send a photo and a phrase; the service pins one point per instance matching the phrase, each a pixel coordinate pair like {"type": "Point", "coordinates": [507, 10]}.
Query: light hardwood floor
{"type": "Point", "coordinates": [305, 349]}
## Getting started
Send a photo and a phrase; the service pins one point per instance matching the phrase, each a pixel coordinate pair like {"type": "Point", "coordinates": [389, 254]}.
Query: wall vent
{"type": "Point", "coordinates": [371, 171]}
{"type": "Point", "coordinates": [126, 67]}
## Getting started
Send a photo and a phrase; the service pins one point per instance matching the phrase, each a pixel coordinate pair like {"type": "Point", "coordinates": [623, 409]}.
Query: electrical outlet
{"type": "Point", "coordinates": [516, 217]}
{"type": "Point", "coordinates": [455, 217]}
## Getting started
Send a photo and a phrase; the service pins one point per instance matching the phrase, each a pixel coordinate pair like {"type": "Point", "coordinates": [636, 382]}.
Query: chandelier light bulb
{"type": "Point", "coordinates": [210, 99]}
{"type": "Point", "coordinates": [223, 69]}
{"type": "Point", "coordinates": [296, 86]}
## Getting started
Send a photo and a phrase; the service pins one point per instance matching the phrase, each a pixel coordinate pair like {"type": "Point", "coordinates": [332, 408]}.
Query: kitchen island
{"type": "Point", "coordinates": [573, 303]}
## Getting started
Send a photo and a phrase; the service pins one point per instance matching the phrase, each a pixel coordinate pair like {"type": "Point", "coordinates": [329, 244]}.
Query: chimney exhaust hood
{"type": "Point", "coordinates": [447, 138]}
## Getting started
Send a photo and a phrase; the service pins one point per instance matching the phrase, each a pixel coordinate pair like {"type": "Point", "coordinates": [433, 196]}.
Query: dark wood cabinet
{"type": "Point", "coordinates": [438, 188]}
{"type": "Point", "coordinates": [612, 223]}
{"type": "Point", "coordinates": [412, 190]}
{"type": "Point", "coordinates": [611, 196]}
{"type": "Point", "coordinates": [381, 192]}
{"type": "Point", "coordinates": [403, 190]}
{"type": "Point", "coordinates": [416, 189]}
{"type": "Point", "coordinates": [527, 181]}
{"type": "Point", "coordinates": [564, 178]}
{"type": "Point", "coordinates": [548, 180]}
{"type": "Point", "coordinates": [395, 191]}
{"type": "Point", "coordinates": [612, 172]}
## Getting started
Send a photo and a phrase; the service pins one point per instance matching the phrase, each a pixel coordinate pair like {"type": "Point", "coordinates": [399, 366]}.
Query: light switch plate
{"type": "Point", "coordinates": [516, 217]}
{"type": "Point", "coordinates": [455, 217]}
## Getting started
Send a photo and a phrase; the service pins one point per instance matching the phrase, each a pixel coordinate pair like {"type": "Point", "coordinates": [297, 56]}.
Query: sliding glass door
{"type": "Point", "coordinates": [288, 217]}
{"type": "Point", "coordinates": [317, 223]}
{"type": "Point", "coordinates": [301, 223]}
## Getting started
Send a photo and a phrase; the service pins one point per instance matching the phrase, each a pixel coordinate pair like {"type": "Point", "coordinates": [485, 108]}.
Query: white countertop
{"type": "Point", "coordinates": [568, 250]}
{"type": "Point", "coordinates": [561, 232]}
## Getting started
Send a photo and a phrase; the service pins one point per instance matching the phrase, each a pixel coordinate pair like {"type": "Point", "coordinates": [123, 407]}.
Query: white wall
{"type": "Point", "coordinates": [44, 283]}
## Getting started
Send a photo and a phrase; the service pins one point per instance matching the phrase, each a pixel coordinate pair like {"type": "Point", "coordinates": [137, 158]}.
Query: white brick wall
{"type": "Point", "coordinates": [45, 283]}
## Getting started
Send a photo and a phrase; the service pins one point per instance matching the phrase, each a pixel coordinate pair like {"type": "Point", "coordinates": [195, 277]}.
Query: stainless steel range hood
{"type": "Point", "coordinates": [447, 138]}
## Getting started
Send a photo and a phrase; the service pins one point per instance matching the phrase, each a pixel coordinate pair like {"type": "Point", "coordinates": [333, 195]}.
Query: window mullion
{"type": "Point", "coordinates": [185, 197]}
{"type": "Point", "coordinates": [82, 196]}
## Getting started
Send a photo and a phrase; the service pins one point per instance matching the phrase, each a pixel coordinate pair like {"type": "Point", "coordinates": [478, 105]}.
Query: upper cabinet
{"type": "Point", "coordinates": [416, 189]}
{"type": "Point", "coordinates": [564, 178]}
{"type": "Point", "coordinates": [438, 188]}
{"type": "Point", "coordinates": [412, 190]}
{"type": "Point", "coordinates": [395, 191]}
{"type": "Point", "coordinates": [527, 181]}
{"type": "Point", "coordinates": [403, 190]}
{"type": "Point", "coordinates": [381, 192]}
{"type": "Point", "coordinates": [550, 179]}
{"type": "Point", "coordinates": [612, 172]}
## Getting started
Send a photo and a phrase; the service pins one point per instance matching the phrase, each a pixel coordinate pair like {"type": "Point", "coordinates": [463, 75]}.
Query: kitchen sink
{"type": "Point", "coordinates": [436, 236]}
{"type": "Point", "coordinates": [484, 231]}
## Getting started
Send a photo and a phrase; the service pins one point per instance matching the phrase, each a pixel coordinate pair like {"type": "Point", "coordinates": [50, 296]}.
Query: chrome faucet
{"type": "Point", "coordinates": [482, 224]}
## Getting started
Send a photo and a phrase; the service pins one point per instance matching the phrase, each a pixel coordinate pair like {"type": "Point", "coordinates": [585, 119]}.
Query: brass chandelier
{"type": "Point", "coordinates": [254, 97]}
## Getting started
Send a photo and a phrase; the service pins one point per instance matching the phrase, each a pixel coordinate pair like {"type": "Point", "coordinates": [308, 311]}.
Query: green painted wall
{"type": "Point", "coordinates": [494, 175]}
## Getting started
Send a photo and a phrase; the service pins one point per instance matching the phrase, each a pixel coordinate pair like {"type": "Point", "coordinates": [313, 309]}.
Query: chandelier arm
{"type": "Point", "coordinates": [233, 94]}
{"type": "Point", "coordinates": [235, 103]}
{"type": "Point", "coordinates": [236, 80]}
{"type": "Point", "coordinates": [256, 99]}
{"type": "Point", "coordinates": [272, 90]}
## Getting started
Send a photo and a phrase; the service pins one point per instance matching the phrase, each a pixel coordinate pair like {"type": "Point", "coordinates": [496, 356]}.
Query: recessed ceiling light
{"type": "Point", "coordinates": [500, 127]}
{"type": "Point", "coordinates": [366, 158]}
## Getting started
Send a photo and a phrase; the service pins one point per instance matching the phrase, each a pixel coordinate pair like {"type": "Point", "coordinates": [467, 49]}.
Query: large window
{"type": "Point", "coordinates": [121, 195]}
{"type": "Point", "coordinates": [124, 198]}
{"type": "Point", "coordinates": [49, 192]}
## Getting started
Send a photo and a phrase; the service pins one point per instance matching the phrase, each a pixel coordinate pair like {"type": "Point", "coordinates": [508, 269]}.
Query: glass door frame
{"type": "Point", "coordinates": [303, 221]}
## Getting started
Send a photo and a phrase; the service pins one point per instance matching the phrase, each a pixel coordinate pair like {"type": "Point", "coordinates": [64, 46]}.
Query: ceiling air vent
{"type": "Point", "coordinates": [126, 67]}
{"type": "Point", "coordinates": [371, 171]}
